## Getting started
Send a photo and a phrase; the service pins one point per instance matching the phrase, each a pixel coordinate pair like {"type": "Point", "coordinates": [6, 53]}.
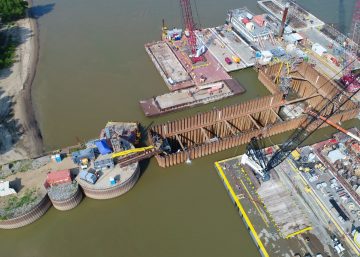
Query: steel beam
{"type": "Point", "coordinates": [181, 144]}
{"type": "Point", "coordinates": [203, 131]}
{"type": "Point", "coordinates": [277, 115]}
{"type": "Point", "coordinates": [254, 121]}
{"type": "Point", "coordinates": [229, 127]}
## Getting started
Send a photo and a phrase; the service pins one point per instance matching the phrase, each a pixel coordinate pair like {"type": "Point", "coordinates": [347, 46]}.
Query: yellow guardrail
{"type": "Point", "coordinates": [298, 232]}
{"type": "Point", "coordinates": [278, 74]}
{"type": "Point", "coordinates": [250, 198]}
{"type": "Point", "coordinates": [241, 208]}
{"type": "Point", "coordinates": [322, 60]}
{"type": "Point", "coordinates": [130, 151]}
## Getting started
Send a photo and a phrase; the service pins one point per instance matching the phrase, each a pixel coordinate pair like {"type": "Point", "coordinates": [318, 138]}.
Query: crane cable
{"type": "Point", "coordinates": [330, 100]}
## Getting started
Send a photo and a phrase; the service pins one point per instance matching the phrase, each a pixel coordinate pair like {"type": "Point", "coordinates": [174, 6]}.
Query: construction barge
{"type": "Point", "coordinates": [108, 166]}
{"type": "Point", "coordinates": [190, 97]}
{"type": "Point", "coordinates": [190, 84]}
{"type": "Point", "coordinates": [309, 205]}
{"type": "Point", "coordinates": [290, 214]}
{"type": "Point", "coordinates": [286, 33]}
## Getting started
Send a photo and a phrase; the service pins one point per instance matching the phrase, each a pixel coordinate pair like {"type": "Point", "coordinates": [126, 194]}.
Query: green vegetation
{"type": "Point", "coordinates": [12, 10]}
{"type": "Point", "coordinates": [11, 206]}
{"type": "Point", "coordinates": [15, 202]}
{"type": "Point", "coordinates": [7, 51]}
{"type": "Point", "coordinates": [25, 166]}
{"type": "Point", "coordinates": [76, 148]}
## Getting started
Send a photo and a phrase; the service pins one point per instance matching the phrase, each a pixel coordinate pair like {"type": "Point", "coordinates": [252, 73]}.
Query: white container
{"type": "Point", "coordinates": [249, 16]}
{"type": "Point", "coordinates": [319, 49]}
{"type": "Point", "coordinates": [290, 48]}
{"type": "Point", "coordinates": [250, 26]}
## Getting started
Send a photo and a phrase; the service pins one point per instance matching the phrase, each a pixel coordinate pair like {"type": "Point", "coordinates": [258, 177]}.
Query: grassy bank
{"type": "Point", "coordinates": [16, 205]}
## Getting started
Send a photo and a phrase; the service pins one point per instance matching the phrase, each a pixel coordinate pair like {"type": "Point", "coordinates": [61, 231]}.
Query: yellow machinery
{"type": "Point", "coordinates": [296, 155]}
{"type": "Point", "coordinates": [84, 163]}
{"type": "Point", "coordinates": [281, 71]}
{"type": "Point", "coordinates": [236, 59]}
{"type": "Point", "coordinates": [131, 151]}
{"type": "Point", "coordinates": [164, 30]}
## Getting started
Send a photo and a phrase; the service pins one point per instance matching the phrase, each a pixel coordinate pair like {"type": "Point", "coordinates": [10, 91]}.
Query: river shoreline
{"type": "Point", "coordinates": [26, 139]}
{"type": "Point", "coordinates": [28, 85]}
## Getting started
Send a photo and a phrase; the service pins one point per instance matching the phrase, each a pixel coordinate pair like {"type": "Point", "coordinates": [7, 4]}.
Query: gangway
{"type": "Point", "coordinates": [136, 157]}
{"type": "Point", "coordinates": [131, 151]}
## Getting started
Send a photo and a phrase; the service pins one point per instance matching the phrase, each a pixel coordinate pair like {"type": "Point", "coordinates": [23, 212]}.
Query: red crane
{"type": "Point", "coordinates": [349, 79]}
{"type": "Point", "coordinates": [189, 27]}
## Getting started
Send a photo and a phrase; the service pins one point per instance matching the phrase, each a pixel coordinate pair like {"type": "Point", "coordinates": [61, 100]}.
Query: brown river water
{"type": "Point", "coordinates": [93, 68]}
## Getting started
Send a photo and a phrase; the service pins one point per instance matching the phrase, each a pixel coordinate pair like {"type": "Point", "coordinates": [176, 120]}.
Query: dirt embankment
{"type": "Point", "coordinates": [19, 134]}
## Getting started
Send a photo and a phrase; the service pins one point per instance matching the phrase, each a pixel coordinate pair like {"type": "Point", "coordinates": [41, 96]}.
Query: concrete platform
{"type": "Point", "coordinates": [189, 97]}
{"type": "Point", "coordinates": [121, 174]}
{"type": "Point", "coordinates": [316, 36]}
{"type": "Point", "coordinates": [169, 66]}
{"type": "Point", "coordinates": [237, 45]}
{"type": "Point", "coordinates": [305, 20]}
{"type": "Point", "coordinates": [218, 49]}
{"type": "Point", "coordinates": [287, 213]}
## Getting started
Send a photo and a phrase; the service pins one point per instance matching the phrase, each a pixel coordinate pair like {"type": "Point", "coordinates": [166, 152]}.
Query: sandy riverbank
{"type": "Point", "coordinates": [19, 134]}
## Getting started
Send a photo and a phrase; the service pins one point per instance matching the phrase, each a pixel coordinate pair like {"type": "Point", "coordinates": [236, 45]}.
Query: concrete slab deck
{"type": "Point", "coordinates": [236, 44]}
{"type": "Point", "coordinates": [169, 66]}
{"type": "Point", "coordinates": [121, 174]}
{"type": "Point", "coordinates": [218, 49]}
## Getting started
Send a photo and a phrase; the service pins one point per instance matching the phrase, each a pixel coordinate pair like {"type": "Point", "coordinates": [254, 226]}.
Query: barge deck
{"type": "Point", "coordinates": [190, 97]}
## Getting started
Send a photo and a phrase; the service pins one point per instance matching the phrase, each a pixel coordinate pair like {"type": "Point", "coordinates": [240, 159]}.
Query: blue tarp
{"type": "Point", "coordinates": [278, 52]}
{"type": "Point", "coordinates": [103, 147]}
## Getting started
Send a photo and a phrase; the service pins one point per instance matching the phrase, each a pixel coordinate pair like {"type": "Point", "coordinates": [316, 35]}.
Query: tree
{"type": "Point", "coordinates": [11, 10]}
{"type": "Point", "coordinates": [7, 51]}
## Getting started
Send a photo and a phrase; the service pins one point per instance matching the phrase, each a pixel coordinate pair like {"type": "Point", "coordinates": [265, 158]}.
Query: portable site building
{"type": "Point", "coordinates": [55, 178]}
{"type": "Point", "coordinates": [259, 20]}
{"type": "Point", "coordinates": [87, 176]}
{"type": "Point", "coordinates": [5, 188]}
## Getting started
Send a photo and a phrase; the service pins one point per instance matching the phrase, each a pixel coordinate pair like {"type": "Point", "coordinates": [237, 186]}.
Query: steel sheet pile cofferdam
{"type": "Point", "coordinates": [210, 132]}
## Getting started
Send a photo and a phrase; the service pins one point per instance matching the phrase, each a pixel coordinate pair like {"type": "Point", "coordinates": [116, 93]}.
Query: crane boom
{"type": "Point", "coordinates": [316, 119]}
{"type": "Point", "coordinates": [333, 124]}
{"type": "Point", "coordinates": [189, 24]}
{"type": "Point", "coordinates": [351, 51]}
